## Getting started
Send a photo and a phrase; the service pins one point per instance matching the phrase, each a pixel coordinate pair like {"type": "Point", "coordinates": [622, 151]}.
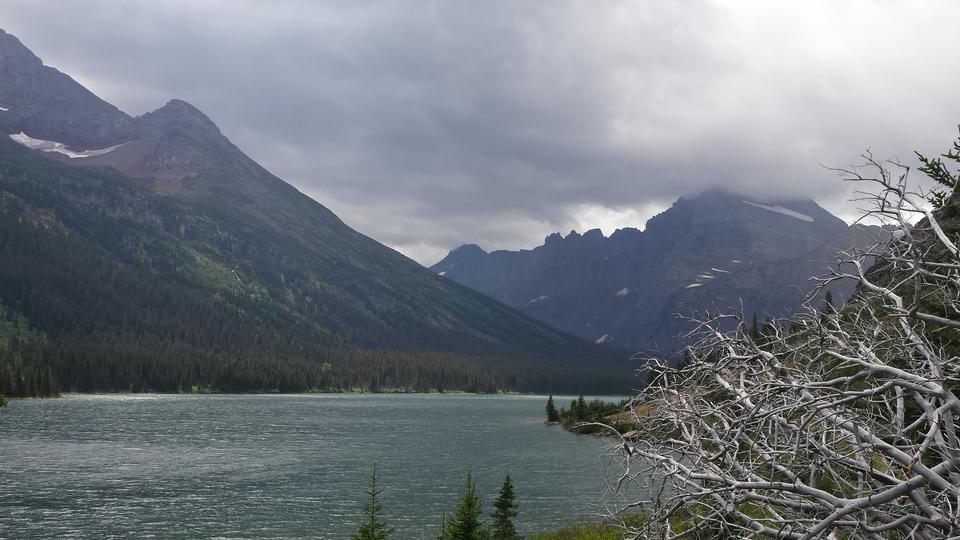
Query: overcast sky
{"type": "Point", "coordinates": [431, 124]}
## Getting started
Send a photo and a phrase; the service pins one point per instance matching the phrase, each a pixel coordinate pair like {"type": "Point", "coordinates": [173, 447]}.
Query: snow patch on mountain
{"type": "Point", "coordinates": [781, 210]}
{"type": "Point", "coordinates": [538, 299]}
{"type": "Point", "coordinates": [720, 270]}
{"type": "Point", "coordinates": [60, 148]}
{"type": "Point", "coordinates": [602, 339]}
{"type": "Point", "coordinates": [442, 273]}
{"type": "Point", "coordinates": [692, 285]}
{"type": "Point", "coordinates": [4, 109]}
{"type": "Point", "coordinates": [623, 292]}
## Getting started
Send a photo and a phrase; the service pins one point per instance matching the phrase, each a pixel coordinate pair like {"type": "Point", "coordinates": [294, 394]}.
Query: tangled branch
{"type": "Point", "coordinates": [840, 424]}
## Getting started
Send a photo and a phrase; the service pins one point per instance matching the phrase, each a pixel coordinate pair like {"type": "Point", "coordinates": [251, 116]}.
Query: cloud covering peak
{"type": "Point", "coordinates": [430, 124]}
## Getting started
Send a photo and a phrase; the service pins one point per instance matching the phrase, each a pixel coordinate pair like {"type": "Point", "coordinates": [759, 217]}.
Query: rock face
{"type": "Point", "coordinates": [709, 252]}
{"type": "Point", "coordinates": [49, 105]}
{"type": "Point", "coordinates": [166, 146]}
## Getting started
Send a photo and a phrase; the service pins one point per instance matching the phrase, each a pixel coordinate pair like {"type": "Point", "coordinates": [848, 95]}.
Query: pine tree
{"type": "Point", "coordinates": [552, 414]}
{"type": "Point", "coordinates": [465, 524]}
{"type": "Point", "coordinates": [373, 528]}
{"type": "Point", "coordinates": [505, 509]}
{"type": "Point", "coordinates": [581, 413]}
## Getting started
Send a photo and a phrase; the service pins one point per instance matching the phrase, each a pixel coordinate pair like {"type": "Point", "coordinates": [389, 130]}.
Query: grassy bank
{"type": "Point", "coordinates": [592, 530]}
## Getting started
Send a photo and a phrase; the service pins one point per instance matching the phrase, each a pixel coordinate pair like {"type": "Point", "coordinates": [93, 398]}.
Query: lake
{"type": "Point", "coordinates": [281, 466]}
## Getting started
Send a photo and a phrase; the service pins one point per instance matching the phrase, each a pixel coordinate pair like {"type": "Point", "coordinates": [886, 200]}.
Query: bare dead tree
{"type": "Point", "coordinates": [839, 424]}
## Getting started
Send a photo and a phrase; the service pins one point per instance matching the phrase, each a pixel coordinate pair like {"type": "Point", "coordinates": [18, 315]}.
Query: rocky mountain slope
{"type": "Point", "coordinates": [151, 253]}
{"type": "Point", "coordinates": [715, 251]}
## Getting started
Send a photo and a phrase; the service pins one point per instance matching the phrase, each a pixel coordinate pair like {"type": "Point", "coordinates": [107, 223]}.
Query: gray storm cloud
{"type": "Point", "coordinates": [429, 124]}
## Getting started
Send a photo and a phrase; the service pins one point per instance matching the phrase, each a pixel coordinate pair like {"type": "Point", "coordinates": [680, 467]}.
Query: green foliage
{"type": "Point", "coordinates": [553, 415]}
{"type": "Point", "coordinates": [596, 531]}
{"type": "Point", "coordinates": [688, 524]}
{"type": "Point", "coordinates": [586, 531]}
{"type": "Point", "coordinates": [579, 408]}
{"type": "Point", "coordinates": [25, 370]}
{"type": "Point", "coordinates": [466, 524]}
{"type": "Point", "coordinates": [505, 510]}
{"type": "Point", "coordinates": [3, 401]}
{"type": "Point", "coordinates": [14, 327]}
{"type": "Point", "coordinates": [373, 527]}
{"type": "Point", "coordinates": [937, 170]}
{"type": "Point", "coordinates": [593, 411]}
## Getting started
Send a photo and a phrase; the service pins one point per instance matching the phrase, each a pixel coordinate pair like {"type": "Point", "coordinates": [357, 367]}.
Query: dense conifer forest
{"type": "Point", "coordinates": [107, 286]}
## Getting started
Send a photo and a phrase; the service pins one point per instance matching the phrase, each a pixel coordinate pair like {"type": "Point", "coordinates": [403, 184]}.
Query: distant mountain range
{"type": "Point", "coordinates": [150, 253]}
{"type": "Point", "coordinates": [714, 252]}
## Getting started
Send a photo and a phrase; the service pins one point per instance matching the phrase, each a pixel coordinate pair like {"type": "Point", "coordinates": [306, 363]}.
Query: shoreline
{"type": "Point", "coordinates": [268, 393]}
{"type": "Point", "coordinates": [325, 393]}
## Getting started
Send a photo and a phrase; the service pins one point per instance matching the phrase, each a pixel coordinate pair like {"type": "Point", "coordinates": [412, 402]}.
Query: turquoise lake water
{"type": "Point", "coordinates": [281, 466]}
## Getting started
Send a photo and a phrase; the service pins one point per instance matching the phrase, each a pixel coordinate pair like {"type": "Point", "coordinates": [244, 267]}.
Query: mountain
{"type": "Point", "coordinates": [150, 253]}
{"type": "Point", "coordinates": [49, 105]}
{"type": "Point", "coordinates": [705, 253]}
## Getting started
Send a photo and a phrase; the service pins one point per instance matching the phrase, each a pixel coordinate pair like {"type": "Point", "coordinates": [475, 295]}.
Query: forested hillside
{"type": "Point", "coordinates": [113, 288]}
{"type": "Point", "coordinates": [172, 261]}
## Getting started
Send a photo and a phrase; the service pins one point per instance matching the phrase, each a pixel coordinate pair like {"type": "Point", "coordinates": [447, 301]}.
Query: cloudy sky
{"type": "Point", "coordinates": [430, 124]}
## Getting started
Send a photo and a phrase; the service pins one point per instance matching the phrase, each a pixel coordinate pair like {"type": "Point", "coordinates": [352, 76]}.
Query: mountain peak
{"type": "Point", "coordinates": [47, 104]}
{"type": "Point", "coordinates": [240, 265]}
{"type": "Point", "coordinates": [467, 254]}
{"type": "Point", "coordinates": [593, 234]}
{"type": "Point", "coordinates": [468, 249]}
{"type": "Point", "coordinates": [713, 250]}
{"type": "Point", "coordinates": [178, 113]}
{"type": "Point", "coordinates": [719, 206]}
{"type": "Point", "coordinates": [181, 107]}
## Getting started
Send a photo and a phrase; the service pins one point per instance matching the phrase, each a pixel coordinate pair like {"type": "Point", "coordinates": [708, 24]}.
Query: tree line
{"type": "Point", "coordinates": [25, 373]}
{"type": "Point", "coordinates": [582, 416]}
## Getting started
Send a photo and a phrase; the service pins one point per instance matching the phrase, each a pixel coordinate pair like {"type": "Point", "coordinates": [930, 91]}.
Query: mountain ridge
{"type": "Point", "coordinates": [704, 253]}
{"type": "Point", "coordinates": [210, 257]}
{"type": "Point", "coordinates": [28, 88]}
